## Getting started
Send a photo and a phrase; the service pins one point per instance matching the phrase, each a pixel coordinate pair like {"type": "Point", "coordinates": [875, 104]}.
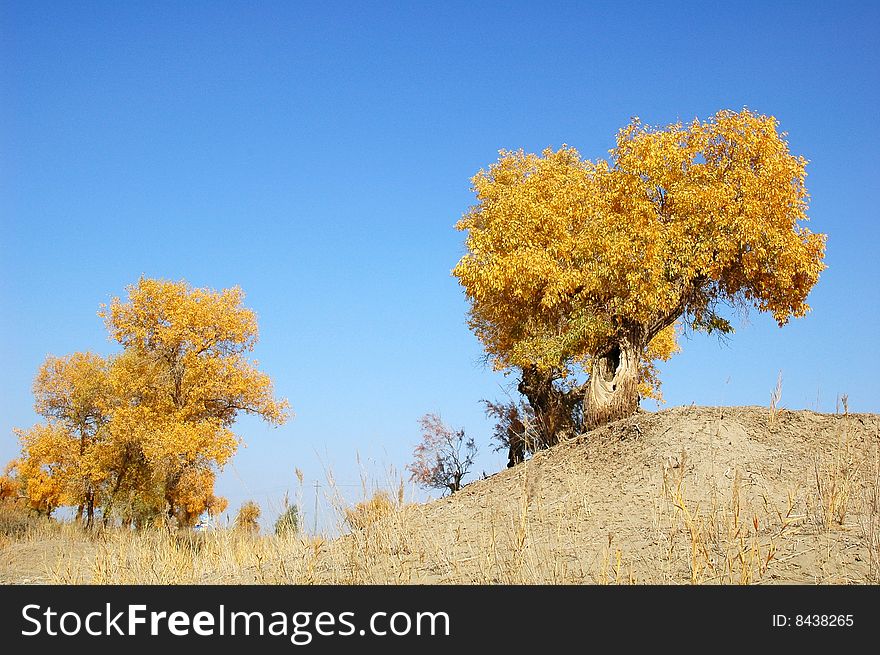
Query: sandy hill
{"type": "Point", "coordinates": [705, 494]}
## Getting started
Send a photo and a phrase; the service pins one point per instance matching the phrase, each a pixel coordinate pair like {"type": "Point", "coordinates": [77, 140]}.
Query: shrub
{"type": "Point", "coordinates": [247, 517]}
{"type": "Point", "coordinates": [288, 522]}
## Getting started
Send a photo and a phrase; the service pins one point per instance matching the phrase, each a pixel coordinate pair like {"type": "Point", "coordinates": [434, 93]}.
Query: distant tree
{"type": "Point", "coordinates": [194, 496]}
{"type": "Point", "coordinates": [287, 523]}
{"type": "Point", "coordinates": [9, 486]}
{"type": "Point", "coordinates": [144, 432]}
{"type": "Point", "coordinates": [443, 457]}
{"type": "Point", "coordinates": [579, 269]}
{"type": "Point", "coordinates": [184, 377]}
{"type": "Point", "coordinates": [216, 505]}
{"type": "Point", "coordinates": [248, 517]}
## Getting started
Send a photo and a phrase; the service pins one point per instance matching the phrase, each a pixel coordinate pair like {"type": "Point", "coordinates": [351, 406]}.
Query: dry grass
{"type": "Point", "coordinates": [621, 507]}
{"type": "Point", "coordinates": [248, 515]}
{"type": "Point", "coordinates": [369, 512]}
{"type": "Point", "coordinates": [870, 516]}
{"type": "Point", "coordinates": [725, 542]}
{"type": "Point", "coordinates": [775, 397]}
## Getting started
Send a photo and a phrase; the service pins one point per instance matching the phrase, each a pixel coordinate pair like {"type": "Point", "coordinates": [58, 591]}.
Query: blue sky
{"type": "Point", "coordinates": [318, 155]}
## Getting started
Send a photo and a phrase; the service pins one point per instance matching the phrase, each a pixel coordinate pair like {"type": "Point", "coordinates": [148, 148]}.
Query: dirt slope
{"type": "Point", "coordinates": [700, 494]}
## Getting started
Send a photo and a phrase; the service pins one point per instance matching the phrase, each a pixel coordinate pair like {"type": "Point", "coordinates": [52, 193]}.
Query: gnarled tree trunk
{"type": "Point", "coordinates": [553, 408]}
{"type": "Point", "coordinates": [612, 392]}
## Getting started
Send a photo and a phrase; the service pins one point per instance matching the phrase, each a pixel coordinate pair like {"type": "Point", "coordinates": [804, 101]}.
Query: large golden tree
{"type": "Point", "coordinates": [578, 265]}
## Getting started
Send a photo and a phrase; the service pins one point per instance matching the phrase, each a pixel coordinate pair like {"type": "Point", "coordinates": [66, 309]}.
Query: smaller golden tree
{"type": "Point", "coordinates": [142, 434]}
{"type": "Point", "coordinates": [64, 460]}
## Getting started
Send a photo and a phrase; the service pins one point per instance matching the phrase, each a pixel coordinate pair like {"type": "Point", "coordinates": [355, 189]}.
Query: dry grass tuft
{"type": "Point", "coordinates": [248, 517]}
{"type": "Point", "coordinates": [369, 512]}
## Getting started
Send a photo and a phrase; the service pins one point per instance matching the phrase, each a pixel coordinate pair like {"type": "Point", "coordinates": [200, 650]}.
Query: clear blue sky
{"type": "Point", "coordinates": [319, 154]}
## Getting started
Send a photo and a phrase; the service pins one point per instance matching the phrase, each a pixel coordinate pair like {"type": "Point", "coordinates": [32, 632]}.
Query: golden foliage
{"type": "Point", "coordinates": [75, 391]}
{"type": "Point", "coordinates": [567, 257]}
{"type": "Point", "coordinates": [187, 352]}
{"type": "Point", "coordinates": [661, 348]}
{"type": "Point", "coordinates": [8, 488]}
{"type": "Point", "coordinates": [216, 505]}
{"type": "Point", "coordinates": [147, 429]}
{"type": "Point", "coordinates": [48, 466]}
{"type": "Point", "coordinates": [63, 460]}
{"type": "Point", "coordinates": [194, 495]}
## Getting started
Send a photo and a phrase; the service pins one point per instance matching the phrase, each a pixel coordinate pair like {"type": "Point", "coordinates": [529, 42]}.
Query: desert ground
{"type": "Point", "coordinates": [687, 495]}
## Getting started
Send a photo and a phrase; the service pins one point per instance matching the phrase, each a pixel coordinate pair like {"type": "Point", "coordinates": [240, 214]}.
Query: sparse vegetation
{"type": "Point", "coordinates": [699, 500]}
{"type": "Point", "coordinates": [515, 429]}
{"type": "Point", "coordinates": [775, 397]}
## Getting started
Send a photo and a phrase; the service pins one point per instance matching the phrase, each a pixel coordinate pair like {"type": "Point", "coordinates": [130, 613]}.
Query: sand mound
{"type": "Point", "coordinates": [707, 494]}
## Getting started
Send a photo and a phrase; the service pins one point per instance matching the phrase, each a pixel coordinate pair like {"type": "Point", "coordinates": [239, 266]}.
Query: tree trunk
{"type": "Point", "coordinates": [612, 392]}
{"type": "Point", "coordinates": [90, 509]}
{"type": "Point", "coordinates": [553, 408]}
{"type": "Point", "coordinates": [108, 508]}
